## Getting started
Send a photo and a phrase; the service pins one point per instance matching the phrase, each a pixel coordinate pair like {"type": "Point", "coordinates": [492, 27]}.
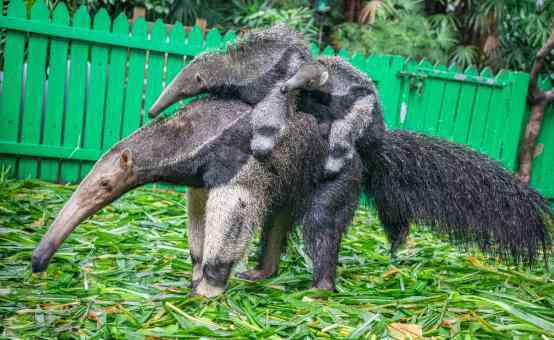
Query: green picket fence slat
{"type": "Point", "coordinates": [466, 102]}
{"type": "Point", "coordinates": [479, 114]}
{"type": "Point", "coordinates": [34, 89]}
{"type": "Point", "coordinates": [176, 62]}
{"type": "Point", "coordinates": [116, 83]}
{"type": "Point", "coordinates": [135, 83]}
{"type": "Point", "coordinates": [12, 83]}
{"type": "Point", "coordinates": [94, 113]}
{"type": "Point", "coordinates": [86, 87]}
{"type": "Point", "coordinates": [449, 105]}
{"type": "Point", "coordinates": [73, 127]}
{"type": "Point", "coordinates": [54, 111]}
{"type": "Point", "coordinates": [154, 75]}
{"type": "Point", "coordinates": [496, 117]}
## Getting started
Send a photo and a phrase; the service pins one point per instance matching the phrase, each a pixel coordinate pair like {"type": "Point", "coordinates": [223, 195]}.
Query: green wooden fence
{"type": "Point", "coordinates": [72, 87]}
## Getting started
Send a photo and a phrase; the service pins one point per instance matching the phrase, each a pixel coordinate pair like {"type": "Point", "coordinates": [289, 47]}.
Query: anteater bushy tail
{"type": "Point", "coordinates": [457, 192]}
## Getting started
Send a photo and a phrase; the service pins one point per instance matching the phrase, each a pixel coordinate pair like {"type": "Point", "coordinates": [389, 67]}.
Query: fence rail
{"type": "Point", "coordinates": [72, 87]}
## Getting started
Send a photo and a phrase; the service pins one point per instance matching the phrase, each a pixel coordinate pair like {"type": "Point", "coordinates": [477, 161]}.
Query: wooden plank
{"type": "Point", "coordinates": [34, 90]}
{"type": "Point", "coordinates": [73, 127]}
{"type": "Point", "coordinates": [132, 115]}
{"type": "Point", "coordinates": [434, 95]}
{"type": "Point", "coordinates": [389, 87]}
{"type": "Point", "coordinates": [94, 116]}
{"type": "Point", "coordinates": [116, 81]}
{"type": "Point", "coordinates": [229, 37]}
{"type": "Point", "coordinates": [479, 114]}
{"type": "Point", "coordinates": [154, 75]}
{"type": "Point", "coordinates": [515, 120]}
{"type": "Point", "coordinates": [328, 52]}
{"type": "Point", "coordinates": [449, 105]}
{"type": "Point", "coordinates": [10, 106]}
{"type": "Point", "coordinates": [401, 115]}
{"type": "Point", "coordinates": [49, 151]}
{"type": "Point", "coordinates": [53, 118]}
{"type": "Point", "coordinates": [344, 54]}
{"type": "Point", "coordinates": [213, 40]}
{"type": "Point", "coordinates": [175, 62]}
{"type": "Point", "coordinates": [417, 101]}
{"type": "Point", "coordinates": [194, 40]}
{"type": "Point", "coordinates": [462, 117]}
{"type": "Point", "coordinates": [315, 50]}
{"type": "Point", "coordinates": [496, 118]}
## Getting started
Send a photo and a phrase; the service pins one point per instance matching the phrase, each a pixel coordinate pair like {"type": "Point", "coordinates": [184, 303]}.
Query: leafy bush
{"type": "Point", "coordinates": [397, 27]}
{"type": "Point", "coordinates": [499, 34]}
{"type": "Point", "coordinates": [258, 13]}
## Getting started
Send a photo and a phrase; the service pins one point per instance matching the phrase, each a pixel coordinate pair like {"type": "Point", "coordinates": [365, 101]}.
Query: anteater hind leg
{"type": "Point", "coordinates": [231, 214]}
{"type": "Point", "coordinates": [396, 228]}
{"type": "Point", "coordinates": [329, 214]}
{"type": "Point", "coordinates": [397, 235]}
{"type": "Point", "coordinates": [274, 236]}
{"type": "Point", "coordinates": [196, 202]}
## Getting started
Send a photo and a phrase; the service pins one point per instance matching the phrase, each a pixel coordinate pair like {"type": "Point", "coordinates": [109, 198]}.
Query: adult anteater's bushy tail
{"type": "Point", "coordinates": [457, 192]}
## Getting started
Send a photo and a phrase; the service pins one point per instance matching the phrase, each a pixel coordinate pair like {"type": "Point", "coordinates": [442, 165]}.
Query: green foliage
{"type": "Point", "coordinates": [495, 33]}
{"type": "Point", "coordinates": [258, 13]}
{"type": "Point", "coordinates": [125, 273]}
{"type": "Point", "coordinates": [398, 28]}
{"type": "Point", "coordinates": [216, 12]}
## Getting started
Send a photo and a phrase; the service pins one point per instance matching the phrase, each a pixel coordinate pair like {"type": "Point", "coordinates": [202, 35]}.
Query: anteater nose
{"type": "Point", "coordinates": [38, 263]}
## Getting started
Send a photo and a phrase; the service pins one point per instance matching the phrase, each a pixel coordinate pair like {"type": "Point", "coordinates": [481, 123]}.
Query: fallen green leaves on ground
{"type": "Point", "coordinates": [125, 274]}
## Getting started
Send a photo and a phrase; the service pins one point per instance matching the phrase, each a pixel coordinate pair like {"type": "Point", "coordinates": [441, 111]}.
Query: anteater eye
{"type": "Point", "coordinates": [105, 184]}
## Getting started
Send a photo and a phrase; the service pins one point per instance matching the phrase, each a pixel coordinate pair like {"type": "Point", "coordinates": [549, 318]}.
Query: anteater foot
{"type": "Point", "coordinates": [325, 285]}
{"type": "Point", "coordinates": [207, 290]}
{"type": "Point", "coordinates": [256, 274]}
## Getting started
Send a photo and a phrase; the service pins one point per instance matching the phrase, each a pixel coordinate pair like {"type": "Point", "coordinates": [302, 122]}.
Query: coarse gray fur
{"type": "Point", "coordinates": [252, 72]}
{"type": "Point", "coordinates": [336, 92]}
{"type": "Point", "coordinates": [206, 147]}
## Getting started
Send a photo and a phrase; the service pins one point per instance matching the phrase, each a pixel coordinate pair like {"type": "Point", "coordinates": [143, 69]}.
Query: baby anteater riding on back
{"type": "Point", "coordinates": [247, 72]}
{"type": "Point", "coordinates": [340, 95]}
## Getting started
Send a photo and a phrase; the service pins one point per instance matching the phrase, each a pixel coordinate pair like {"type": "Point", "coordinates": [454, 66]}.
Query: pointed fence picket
{"type": "Point", "coordinates": [72, 87]}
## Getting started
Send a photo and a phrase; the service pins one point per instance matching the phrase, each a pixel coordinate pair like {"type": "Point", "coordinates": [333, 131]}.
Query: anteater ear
{"type": "Point", "coordinates": [126, 159]}
{"type": "Point", "coordinates": [323, 78]}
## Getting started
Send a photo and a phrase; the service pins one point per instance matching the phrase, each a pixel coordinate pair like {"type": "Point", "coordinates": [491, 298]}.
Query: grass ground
{"type": "Point", "coordinates": [125, 274]}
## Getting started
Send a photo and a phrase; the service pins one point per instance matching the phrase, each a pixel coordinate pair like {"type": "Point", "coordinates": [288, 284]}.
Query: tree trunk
{"type": "Point", "coordinates": [538, 101]}
{"type": "Point", "coordinates": [351, 10]}
{"type": "Point", "coordinates": [527, 148]}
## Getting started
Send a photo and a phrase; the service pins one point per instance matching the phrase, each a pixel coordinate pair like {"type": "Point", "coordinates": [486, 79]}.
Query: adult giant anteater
{"type": "Point", "coordinates": [206, 146]}
{"type": "Point", "coordinates": [412, 178]}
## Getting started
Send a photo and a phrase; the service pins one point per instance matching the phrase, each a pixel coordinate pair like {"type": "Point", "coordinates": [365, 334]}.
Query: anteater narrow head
{"type": "Point", "coordinates": [206, 73]}
{"type": "Point", "coordinates": [110, 178]}
{"type": "Point", "coordinates": [310, 76]}
{"type": "Point", "coordinates": [205, 142]}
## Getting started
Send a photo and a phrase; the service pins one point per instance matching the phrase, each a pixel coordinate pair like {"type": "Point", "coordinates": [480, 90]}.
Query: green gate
{"type": "Point", "coordinates": [72, 87]}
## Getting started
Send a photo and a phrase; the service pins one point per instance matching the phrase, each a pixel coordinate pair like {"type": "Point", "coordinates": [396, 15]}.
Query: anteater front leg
{"type": "Point", "coordinates": [232, 213]}
{"type": "Point", "coordinates": [274, 236]}
{"type": "Point", "coordinates": [196, 202]}
{"type": "Point", "coordinates": [359, 123]}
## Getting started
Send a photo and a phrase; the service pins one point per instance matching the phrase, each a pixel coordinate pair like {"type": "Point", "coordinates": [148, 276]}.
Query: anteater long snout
{"type": "Point", "coordinates": [68, 218]}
